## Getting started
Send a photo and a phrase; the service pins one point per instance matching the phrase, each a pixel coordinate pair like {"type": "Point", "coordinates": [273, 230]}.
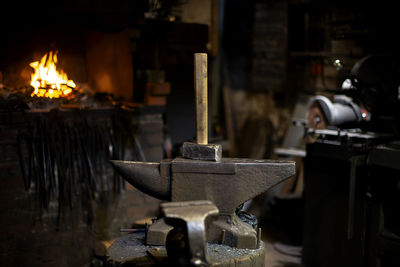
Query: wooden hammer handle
{"type": "Point", "coordinates": [200, 85]}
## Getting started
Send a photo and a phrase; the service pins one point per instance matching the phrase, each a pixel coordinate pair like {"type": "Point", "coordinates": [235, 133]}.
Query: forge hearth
{"type": "Point", "coordinates": [59, 197]}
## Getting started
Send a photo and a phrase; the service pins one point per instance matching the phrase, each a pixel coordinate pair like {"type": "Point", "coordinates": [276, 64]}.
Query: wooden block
{"type": "Point", "coordinates": [158, 89]}
{"type": "Point", "coordinates": [141, 223]}
{"type": "Point", "coordinates": [155, 100]}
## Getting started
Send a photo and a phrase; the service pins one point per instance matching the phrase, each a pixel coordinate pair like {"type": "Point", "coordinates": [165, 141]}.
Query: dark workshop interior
{"type": "Point", "coordinates": [200, 133]}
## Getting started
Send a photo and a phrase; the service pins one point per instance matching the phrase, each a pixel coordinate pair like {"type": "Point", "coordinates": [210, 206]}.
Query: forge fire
{"type": "Point", "coordinates": [47, 80]}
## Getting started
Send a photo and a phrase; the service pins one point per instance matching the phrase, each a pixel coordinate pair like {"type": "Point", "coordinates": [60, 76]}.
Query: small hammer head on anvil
{"type": "Point", "coordinates": [202, 174]}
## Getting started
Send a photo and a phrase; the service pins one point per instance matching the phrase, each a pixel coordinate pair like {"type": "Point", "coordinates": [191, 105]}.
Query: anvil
{"type": "Point", "coordinates": [227, 184]}
{"type": "Point", "coordinates": [201, 174]}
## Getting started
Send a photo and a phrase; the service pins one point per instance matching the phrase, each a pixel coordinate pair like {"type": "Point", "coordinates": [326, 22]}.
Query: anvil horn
{"type": "Point", "coordinates": [145, 176]}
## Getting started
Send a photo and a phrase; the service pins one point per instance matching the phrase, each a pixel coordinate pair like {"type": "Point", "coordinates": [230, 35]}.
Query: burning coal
{"type": "Point", "coordinates": [47, 80]}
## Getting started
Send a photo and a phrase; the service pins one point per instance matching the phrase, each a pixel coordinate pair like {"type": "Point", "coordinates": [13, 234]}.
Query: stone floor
{"type": "Point", "coordinates": [281, 226]}
{"type": "Point", "coordinates": [275, 256]}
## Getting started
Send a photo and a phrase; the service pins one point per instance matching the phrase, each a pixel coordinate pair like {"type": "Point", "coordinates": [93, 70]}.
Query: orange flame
{"type": "Point", "coordinates": [47, 81]}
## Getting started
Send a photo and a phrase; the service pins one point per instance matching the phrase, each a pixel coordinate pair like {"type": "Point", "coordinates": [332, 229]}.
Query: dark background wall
{"type": "Point", "coordinates": [269, 54]}
{"type": "Point", "coordinates": [276, 51]}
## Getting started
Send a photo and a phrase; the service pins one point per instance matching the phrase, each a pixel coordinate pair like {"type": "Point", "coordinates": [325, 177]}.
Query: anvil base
{"type": "Point", "coordinates": [130, 249]}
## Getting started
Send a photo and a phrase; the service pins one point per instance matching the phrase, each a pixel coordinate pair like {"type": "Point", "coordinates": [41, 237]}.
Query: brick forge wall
{"type": "Point", "coordinates": [133, 204]}
{"type": "Point", "coordinates": [136, 204]}
{"type": "Point", "coordinates": [260, 100]}
{"type": "Point", "coordinates": [150, 135]}
{"type": "Point", "coordinates": [30, 239]}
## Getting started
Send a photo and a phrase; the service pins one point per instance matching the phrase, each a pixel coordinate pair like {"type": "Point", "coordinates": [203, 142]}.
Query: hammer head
{"type": "Point", "coordinates": [201, 151]}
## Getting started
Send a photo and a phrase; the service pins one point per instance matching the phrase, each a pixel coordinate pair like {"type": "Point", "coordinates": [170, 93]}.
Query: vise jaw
{"type": "Point", "coordinates": [187, 241]}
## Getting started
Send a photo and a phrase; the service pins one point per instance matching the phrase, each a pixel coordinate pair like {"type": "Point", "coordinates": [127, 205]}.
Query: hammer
{"type": "Point", "coordinates": [201, 150]}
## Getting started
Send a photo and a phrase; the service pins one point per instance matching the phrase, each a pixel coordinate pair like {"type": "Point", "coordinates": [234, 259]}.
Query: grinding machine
{"type": "Point", "coordinates": [202, 190]}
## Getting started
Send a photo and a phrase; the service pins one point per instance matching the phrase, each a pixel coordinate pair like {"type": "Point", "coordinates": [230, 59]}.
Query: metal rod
{"type": "Point", "coordinates": [134, 230]}
{"type": "Point", "coordinates": [223, 234]}
{"type": "Point", "coordinates": [258, 237]}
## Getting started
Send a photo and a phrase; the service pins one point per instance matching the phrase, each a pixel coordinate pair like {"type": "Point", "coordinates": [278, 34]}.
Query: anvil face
{"type": "Point", "coordinates": [227, 183]}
